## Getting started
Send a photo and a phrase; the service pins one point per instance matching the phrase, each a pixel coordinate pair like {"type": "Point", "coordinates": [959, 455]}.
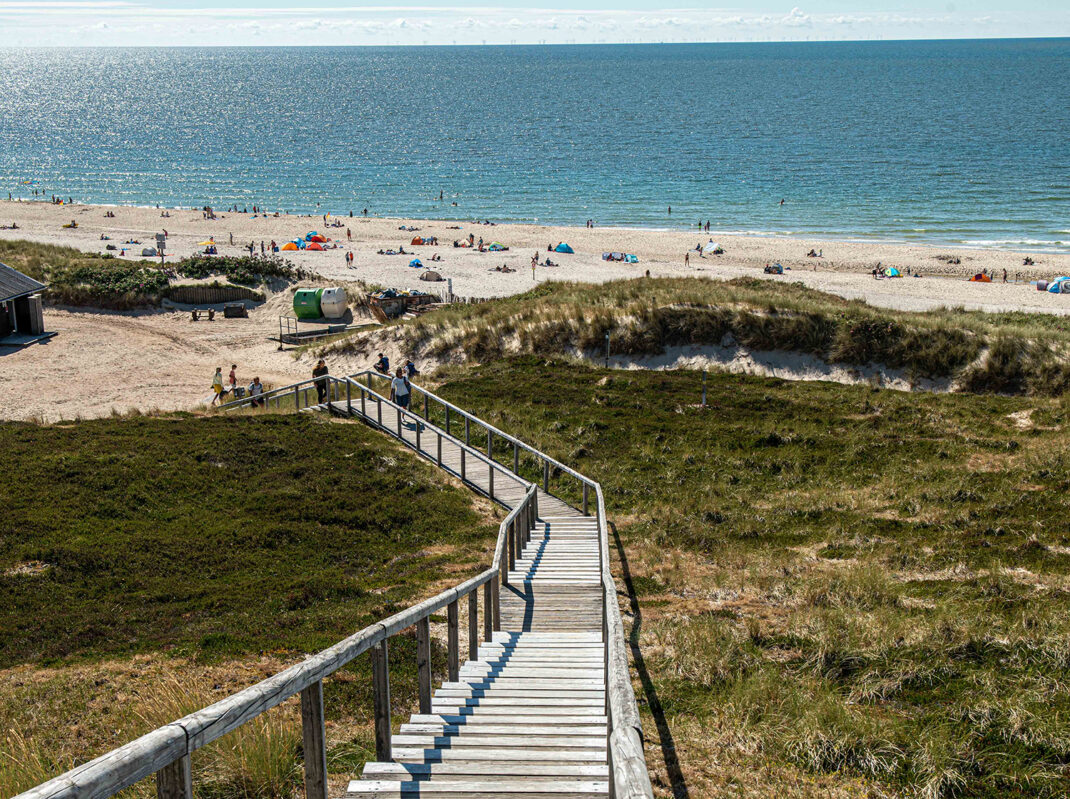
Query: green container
{"type": "Point", "coordinates": [307, 303]}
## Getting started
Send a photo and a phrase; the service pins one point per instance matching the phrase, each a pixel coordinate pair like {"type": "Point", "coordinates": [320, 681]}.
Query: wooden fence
{"type": "Point", "coordinates": [212, 295]}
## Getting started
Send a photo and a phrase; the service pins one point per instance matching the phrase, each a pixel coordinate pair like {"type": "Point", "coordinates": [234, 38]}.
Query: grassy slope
{"type": "Point", "coordinates": [645, 316]}
{"type": "Point", "coordinates": [842, 590]}
{"type": "Point", "coordinates": [79, 278]}
{"type": "Point", "coordinates": [221, 535]}
{"type": "Point", "coordinates": [188, 557]}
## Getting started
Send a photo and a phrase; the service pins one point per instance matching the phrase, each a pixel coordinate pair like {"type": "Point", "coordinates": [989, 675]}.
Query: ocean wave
{"type": "Point", "coordinates": [1014, 243]}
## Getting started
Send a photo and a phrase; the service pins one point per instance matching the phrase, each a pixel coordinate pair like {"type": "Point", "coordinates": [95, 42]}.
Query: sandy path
{"type": "Point", "coordinates": [103, 362]}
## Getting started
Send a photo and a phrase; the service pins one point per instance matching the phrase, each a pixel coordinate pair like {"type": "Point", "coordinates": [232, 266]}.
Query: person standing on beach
{"type": "Point", "coordinates": [687, 259]}
{"type": "Point", "coordinates": [349, 233]}
{"type": "Point", "coordinates": [232, 378]}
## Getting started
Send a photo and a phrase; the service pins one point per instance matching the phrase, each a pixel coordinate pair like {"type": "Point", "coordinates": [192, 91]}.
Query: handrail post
{"type": "Point", "coordinates": [439, 456]}
{"type": "Point", "coordinates": [379, 411]}
{"type": "Point", "coordinates": [423, 662]}
{"type": "Point", "coordinates": [496, 599]}
{"type": "Point", "coordinates": [447, 420]}
{"type": "Point", "coordinates": [297, 400]}
{"type": "Point", "coordinates": [399, 422]}
{"type": "Point", "coordinates": [418, 426]}
{"type": "Point", "coordinates": [453, 643]}
{"type": "Point", "coordinates": [381, 691]}
{"type": "Point", "coordinates": [546, 476]}
{"type": "Point", "coordinates": [488, 613]}
{"type": "Point", "coordinates": [363, 401]}
{"type": "Point", "coordinates": [463, 477]}
{"type": "Point", "coordinates": [175, 780]}
{"type": "Point", "coordinates": [490, 479]}
{"type": "Point", "coordinates": [512, 549]}
{"type": "Point", "coordinates": [585, 511]}
{"type": "Point", "coordinates": [467, 430]}
{"type": "Point", "coordinates": [516, 458]}
{"type": "Point", "coordinates": [314, 737]}
{"type": "Point", "coordinates": [473, 624]}
{"type": "Point", "coordinates": [490, 445]}
{"type": "Point", "coordinates": [349, 398]}
{"type": "Point", "coordinates": [426, 412]}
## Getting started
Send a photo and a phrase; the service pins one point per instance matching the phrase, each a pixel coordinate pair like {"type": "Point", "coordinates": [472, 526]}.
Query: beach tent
{"type": "Point", "coordinates": [891, 271]}
{"type": "Point", "coordinates": [431, 275]}
{"type": "Point", "coordinates": [148, 252]}
{"type": "Point", "coordinates": [416, 240]}
{"type": "Point", "coordinates": [318, 238]}
{"type": "Point", "coordinates": [980, 278]}
{"type": "Point", "coordinates": [562, 247]}
{"type": "Point", "coordinates": [1061, 285]}
{"type": "Point", "coordinates": [289, 246]}
{"type": "Point", "coordinates": [632, 259]}
{"type": "Point", "coordinates": [497, 247]}
{"type": "Point", "coordinates": [415, 262]}
{"type": "Point", "coordinates": [315, 246]}
{"type": "Point", "coordinates": [711, 246]}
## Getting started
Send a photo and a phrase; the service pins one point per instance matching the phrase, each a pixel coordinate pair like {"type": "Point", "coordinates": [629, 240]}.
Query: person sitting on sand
{"type": "Point", "coordinates": [382, 365]}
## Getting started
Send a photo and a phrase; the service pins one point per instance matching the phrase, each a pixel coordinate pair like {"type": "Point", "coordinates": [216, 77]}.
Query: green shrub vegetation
{"type": "Point", "coordinates": [645, 316]}
{"type": "Point", "coordinates": [213, 537]}
{"type": "Point", "coordinates": [841, 591]}
{"type": "Point", "coordinates": [77, 278]}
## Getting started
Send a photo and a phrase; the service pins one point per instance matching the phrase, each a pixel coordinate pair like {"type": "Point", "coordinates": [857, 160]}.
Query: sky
{"type": "Point", "coordinates": [34, 23]}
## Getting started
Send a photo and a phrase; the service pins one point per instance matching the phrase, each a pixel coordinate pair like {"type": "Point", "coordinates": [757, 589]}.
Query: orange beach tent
{"type": "Point", "coordinates": [980, 278]}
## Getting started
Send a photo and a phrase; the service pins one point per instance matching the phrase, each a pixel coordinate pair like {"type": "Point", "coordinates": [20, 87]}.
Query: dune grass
{"type": "Point", "coordinates": [643, 317]}
{"type": "Point", "coordinates": [152, 565]}
{"type": "Point", "coordinates": [840, 591]}
{"type": "Point", "coordinates": [82, 279]}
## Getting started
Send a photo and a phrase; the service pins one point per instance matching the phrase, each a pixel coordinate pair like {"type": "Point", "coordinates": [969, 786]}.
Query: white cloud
{"type": "Point", "coordinates": [111, 22]}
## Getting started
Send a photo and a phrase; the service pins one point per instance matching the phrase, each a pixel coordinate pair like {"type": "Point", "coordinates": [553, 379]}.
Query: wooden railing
{"type": "Point", "coordinates": [630, 778]}
{"type": "Point", "coordinates": [166, 751]}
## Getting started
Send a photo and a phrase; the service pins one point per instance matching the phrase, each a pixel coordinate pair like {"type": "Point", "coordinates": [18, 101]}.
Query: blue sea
{"type": "Point", "coordinates": [963, 142]}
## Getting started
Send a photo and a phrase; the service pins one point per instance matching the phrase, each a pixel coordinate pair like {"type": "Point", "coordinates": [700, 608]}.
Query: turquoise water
{"type": "Point", "coordinates": [965, 141]}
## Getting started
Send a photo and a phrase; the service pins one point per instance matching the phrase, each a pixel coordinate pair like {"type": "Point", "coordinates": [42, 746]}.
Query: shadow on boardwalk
{"type": "Point", "coordinates": [668, 744]}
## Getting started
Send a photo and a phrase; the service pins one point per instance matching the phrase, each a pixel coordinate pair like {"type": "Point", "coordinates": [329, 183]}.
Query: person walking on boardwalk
{"type": "Point", "coordinates": [232, 378]}
{"type": "Point", "coordinates": [320, 376]}
{"type": "Point", "coordinates": [217, 385]}
{"type": "Point", "coordinates": [400, 389]}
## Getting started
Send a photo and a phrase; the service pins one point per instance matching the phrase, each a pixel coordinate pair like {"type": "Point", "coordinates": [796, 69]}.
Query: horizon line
{"type": "Point", "coordinates": [871, 40]}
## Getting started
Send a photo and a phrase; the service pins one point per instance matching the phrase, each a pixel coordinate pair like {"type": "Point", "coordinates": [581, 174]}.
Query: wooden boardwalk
{"type": "Point", "coordinates": [527, 717]}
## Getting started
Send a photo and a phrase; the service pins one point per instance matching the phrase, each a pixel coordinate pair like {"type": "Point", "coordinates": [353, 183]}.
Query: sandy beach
{"type": "Point", "coordinates": [844, 268]}
{"type": "Point", "coordinates": [104, 362]}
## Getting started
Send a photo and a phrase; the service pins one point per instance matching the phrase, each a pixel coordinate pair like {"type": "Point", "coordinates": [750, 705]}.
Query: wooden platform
{"type": "Point", "coordinates": [527, 717]}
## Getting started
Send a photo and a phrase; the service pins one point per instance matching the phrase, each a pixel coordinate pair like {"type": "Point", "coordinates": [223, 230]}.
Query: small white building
{"type": "Point", "coordinates": [21, 310]}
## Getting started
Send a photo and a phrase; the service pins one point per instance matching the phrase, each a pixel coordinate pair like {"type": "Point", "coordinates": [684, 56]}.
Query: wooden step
{"type": "Point", "coordinates": [489, 789]}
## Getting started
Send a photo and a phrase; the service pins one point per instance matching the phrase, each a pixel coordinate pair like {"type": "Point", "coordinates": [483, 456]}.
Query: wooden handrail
{"type": "Point", "coordinates": [166, 750]}
{"type": "Point", "coordinates": [160, 750]}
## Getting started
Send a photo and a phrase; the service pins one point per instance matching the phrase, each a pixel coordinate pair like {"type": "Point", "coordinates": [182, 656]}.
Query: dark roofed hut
{"type": "Point", "coordinates": [21, 318]}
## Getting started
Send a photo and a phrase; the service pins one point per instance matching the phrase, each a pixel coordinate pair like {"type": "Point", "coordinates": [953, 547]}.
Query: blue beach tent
{"type": "Point", "coordinates": [1061, 285]}
{"type": "Point", "coordinates": [562, 247]}
{"type": "Point", "coordinates": [415, 262]}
